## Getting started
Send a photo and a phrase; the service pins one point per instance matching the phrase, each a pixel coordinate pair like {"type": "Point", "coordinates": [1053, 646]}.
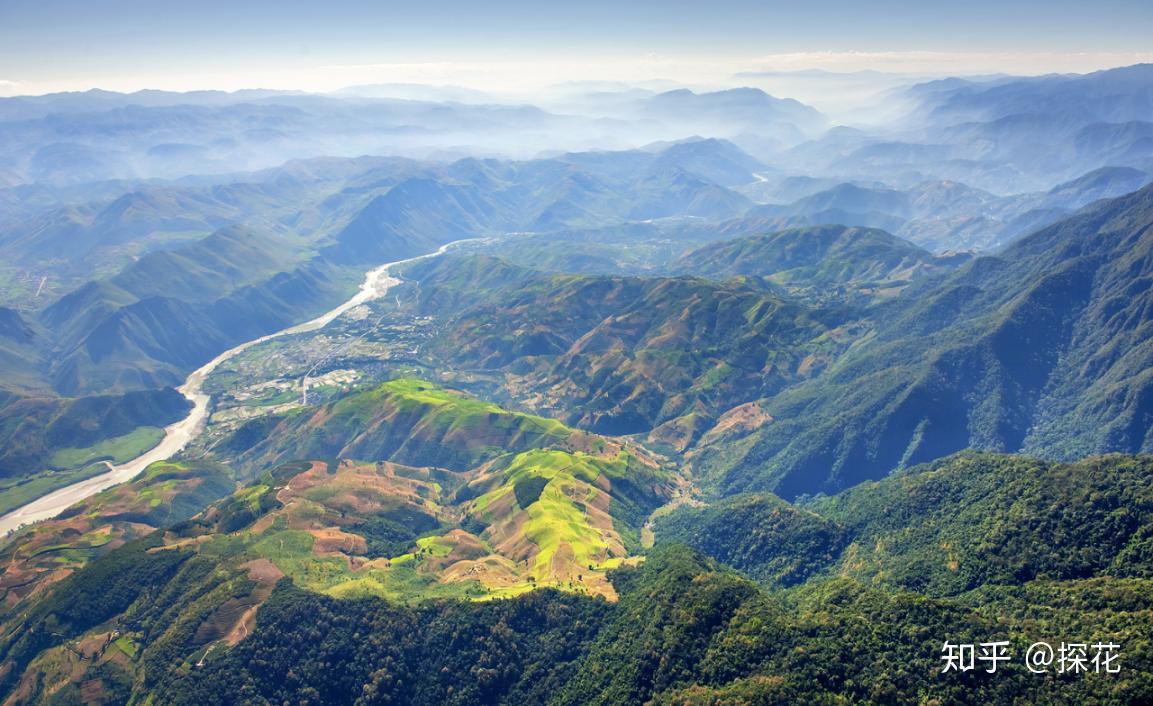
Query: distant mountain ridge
{"type": "Point", "coordinates": [947, 215]}
{"type": "Point", "coordinates": [821, 262]}
{"type": "Point", "coordinates": [1112, 95]}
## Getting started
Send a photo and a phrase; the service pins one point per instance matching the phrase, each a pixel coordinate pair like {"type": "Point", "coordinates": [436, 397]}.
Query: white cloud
{"type": "Point", "coordinates": [9, 88]}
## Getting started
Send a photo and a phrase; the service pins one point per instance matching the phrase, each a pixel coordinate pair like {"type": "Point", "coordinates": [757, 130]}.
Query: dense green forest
{"type": "Point", "coordinates": [843, 600]}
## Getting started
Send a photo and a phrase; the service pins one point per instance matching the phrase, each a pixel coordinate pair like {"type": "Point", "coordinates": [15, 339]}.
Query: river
{"type": "Point", "coordinates": [177, 435]}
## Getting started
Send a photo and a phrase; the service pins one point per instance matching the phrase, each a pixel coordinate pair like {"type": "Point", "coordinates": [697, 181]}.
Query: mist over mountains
{"type": "Point", "coordinates": [672, 394]}
{"type": "Point", "coordinates": [124, 274]}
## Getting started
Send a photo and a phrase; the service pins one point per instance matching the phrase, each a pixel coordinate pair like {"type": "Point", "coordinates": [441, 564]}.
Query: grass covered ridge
{"type": "Point", "coordinates": [408, 421]}
{"type": "Point", "coordinates": [404, 533]}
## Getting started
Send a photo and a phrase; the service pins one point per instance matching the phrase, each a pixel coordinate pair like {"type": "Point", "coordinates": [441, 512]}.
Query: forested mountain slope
{"type": "Point", "coordinates": [622, 355]}
{"type": "Point", "coordinates": [1042, 347]}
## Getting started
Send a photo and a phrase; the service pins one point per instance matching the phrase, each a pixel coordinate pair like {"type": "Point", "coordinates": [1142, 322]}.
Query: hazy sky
{"type": "Point", "coordinates": [50, 45]}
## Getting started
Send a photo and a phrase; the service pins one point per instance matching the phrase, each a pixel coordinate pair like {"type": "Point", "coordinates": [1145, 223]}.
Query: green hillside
{"type": "Point", "coordinates": [963, 523]}
{"type": "Point", "coordinates": [424, 492]}
{"type": "Point", "coordinates": [406, 420]}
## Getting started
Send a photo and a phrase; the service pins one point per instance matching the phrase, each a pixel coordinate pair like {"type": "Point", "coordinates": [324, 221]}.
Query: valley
{"type": "Point", "coordinates": [178, 435]}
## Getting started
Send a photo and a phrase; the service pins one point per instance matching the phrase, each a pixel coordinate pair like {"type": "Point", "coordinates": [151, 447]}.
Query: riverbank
{"type": "Point", "coordinates": [376, 283]}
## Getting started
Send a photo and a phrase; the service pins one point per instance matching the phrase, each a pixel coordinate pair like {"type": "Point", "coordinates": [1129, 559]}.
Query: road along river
{"type": "Point", "coordinates": [176, 436]}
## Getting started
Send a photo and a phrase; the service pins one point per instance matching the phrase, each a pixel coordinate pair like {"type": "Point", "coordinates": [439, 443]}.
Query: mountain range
{"type": "Point", "coordinates": [710, 401]}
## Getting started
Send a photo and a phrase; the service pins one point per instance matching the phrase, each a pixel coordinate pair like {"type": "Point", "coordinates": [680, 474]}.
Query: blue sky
{"type": "Point", "coordinates": [54, 44]}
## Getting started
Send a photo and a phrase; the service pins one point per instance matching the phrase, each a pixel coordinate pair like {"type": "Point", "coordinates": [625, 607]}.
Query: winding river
{"type": "Point", "coordinates": [177, 435]}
